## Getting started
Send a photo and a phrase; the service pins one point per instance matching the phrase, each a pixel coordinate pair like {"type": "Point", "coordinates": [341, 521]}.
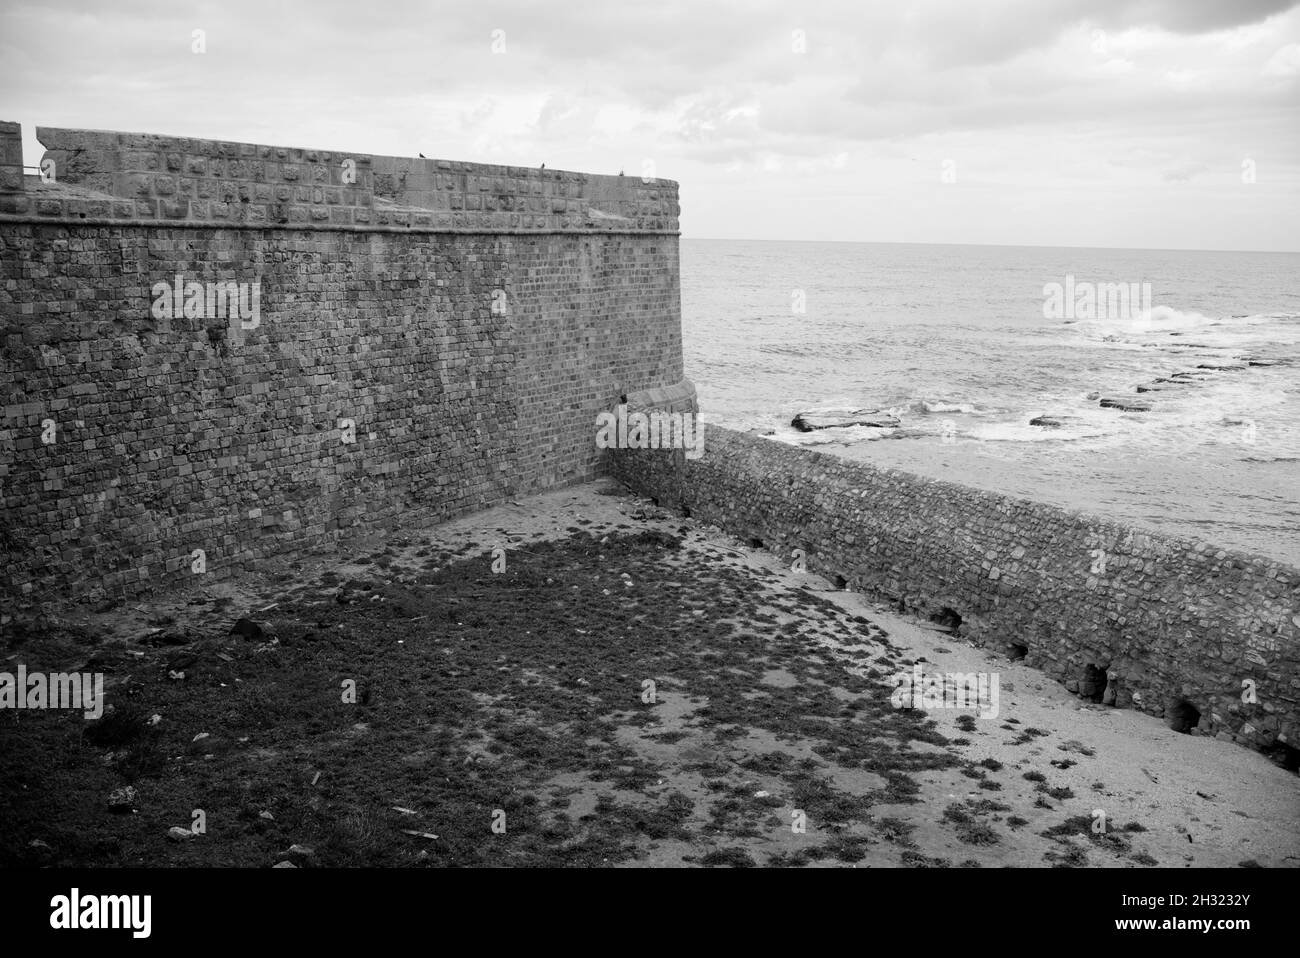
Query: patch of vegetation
{"type": "Point", "coordinates": [970, 829]}
{"type": "Point", "coordinates": [728, 858]}
{"type": "Point", "coordinates": [914, 859]}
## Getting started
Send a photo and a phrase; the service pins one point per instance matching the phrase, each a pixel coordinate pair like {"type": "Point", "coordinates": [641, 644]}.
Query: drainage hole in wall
{"type": "Point", "coordinates": [755, 543]}
{"type": "Point", "coordinates": [947, 618]}
{"type": "Point", "coordinates": [841, 583]}
{"type": "Point", "coordinates": [1182, 715]}
{"type": "Point", "coordinates": [1017, 651]}
{"type": "Point", "coordinates": [1288, 756]}
{"type": "Point", "coordinates": [1092, 684]}
{"type": "Point", "coordinates": [686, 511]}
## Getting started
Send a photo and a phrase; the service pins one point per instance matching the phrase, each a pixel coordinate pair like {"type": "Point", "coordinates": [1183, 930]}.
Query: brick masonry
{"type": "Point", "coordinates": [471, 359]}
{"type": "Point", "coordinates": [1142, 620]}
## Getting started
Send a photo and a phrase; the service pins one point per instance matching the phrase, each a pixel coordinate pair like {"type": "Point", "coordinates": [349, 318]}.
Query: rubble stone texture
{"type": "Point", "coordinates": [1161, 621]}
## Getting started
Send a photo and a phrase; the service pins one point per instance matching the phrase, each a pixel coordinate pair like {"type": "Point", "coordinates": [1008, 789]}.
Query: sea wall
{"type": "Point", "coordinates": [1207, 638]}
{"type": "Point", "coordinates": [214, 352]}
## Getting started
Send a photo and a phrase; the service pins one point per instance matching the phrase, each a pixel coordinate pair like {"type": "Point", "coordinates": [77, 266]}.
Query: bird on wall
{"type": "Point", "coordinates": [423, 157]}
{"type": "Point", "coordinates": [543, 166]}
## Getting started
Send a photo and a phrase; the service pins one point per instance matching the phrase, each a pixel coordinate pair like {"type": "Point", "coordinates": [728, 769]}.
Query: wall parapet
{"type": "Point", "coordinates": [131, 177]}
{"type": "Point", "coordinates": [1207, 638]}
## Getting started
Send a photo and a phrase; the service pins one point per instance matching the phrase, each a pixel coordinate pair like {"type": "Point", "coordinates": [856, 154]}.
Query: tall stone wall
{"type": "Point", "coordinates": [443, 338]}
{"type": "Point", "coordinates": [1126, 617]}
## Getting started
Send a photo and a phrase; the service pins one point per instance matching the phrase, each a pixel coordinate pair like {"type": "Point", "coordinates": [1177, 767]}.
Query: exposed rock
{"type": "Point", "coordinates": [248, 629]}
{"type": "Point", "coordinates": [836, 419]}
{"type": "Point", "coordinates": [1125, 404]}
{"type": "Point", "coordinates": [178, 834]}
{"type": "Point", "coordinates": [285, 865]}
{"type": "Point", "coordinates": [1222, 364]}
{"type": "Point", "coordinates": [183, 662]}
{"type": "Point", "coordinates": [122, 800]}
{"type": "Point", "coordinates": [1048, 422]}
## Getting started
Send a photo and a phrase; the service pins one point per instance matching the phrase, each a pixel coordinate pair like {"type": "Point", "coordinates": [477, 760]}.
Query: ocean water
{"type": "Point", "coordinates": [953, 341]}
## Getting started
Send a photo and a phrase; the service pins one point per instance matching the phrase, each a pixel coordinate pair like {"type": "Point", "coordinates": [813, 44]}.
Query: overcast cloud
{"type": "Point", "coordinates": [1061, 122]}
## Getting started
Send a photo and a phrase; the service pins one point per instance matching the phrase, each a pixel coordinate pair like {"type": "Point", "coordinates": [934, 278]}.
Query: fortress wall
{"type": "Point", "coordinates": [452, 354]}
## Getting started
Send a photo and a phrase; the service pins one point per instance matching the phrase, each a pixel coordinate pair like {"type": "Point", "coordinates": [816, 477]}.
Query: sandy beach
{"type": "Point", "coordinates": [628, 688]}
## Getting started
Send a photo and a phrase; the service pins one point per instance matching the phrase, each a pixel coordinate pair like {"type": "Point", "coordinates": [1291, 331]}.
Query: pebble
{"type": "Point", "coordinates": [122, 799]}
{"type": "Point", "coordinates": [178, 834]}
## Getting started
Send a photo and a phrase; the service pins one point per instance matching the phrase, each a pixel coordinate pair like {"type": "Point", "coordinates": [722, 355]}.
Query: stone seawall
{"type": "Point", "coordinates": [192, 377]}
{"type": "Point", "coordinates": [1207, 638]}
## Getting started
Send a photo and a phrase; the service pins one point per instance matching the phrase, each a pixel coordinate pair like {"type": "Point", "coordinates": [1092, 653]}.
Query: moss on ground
{"type": "Point", "coordinates": [480, 700]}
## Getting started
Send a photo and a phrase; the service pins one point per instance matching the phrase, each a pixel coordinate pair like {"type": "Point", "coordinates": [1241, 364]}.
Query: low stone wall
{"type": "Point", "coordinates": [1209, 639]}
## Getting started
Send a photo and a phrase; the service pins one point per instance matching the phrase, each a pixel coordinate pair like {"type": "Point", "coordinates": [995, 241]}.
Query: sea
{"type": "Point", "coordinates": [964, 345]}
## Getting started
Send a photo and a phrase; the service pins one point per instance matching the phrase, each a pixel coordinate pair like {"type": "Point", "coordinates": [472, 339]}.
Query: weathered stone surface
{"type": "Point", "coordinates": [1125, 403]}
{"type": "Point", "coordinates": [306, 184]}
{"type": "Point", "coordinates": [469, 368]}
{"type": "Point", "coordinates": [1140, 619]}
{"type": "Point", "coordinates": [810, 421]}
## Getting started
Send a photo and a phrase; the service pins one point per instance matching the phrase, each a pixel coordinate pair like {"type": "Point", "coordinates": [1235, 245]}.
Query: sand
{"type": "Point", "coordinates": [1107, 787]}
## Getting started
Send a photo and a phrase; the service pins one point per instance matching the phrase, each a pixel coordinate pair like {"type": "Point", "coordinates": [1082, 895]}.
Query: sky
{"type": "Point", "coordinates": [1168, 124]}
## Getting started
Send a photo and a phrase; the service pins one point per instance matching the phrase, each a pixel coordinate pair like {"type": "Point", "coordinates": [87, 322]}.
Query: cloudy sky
{"type": "Point", "coordinates": [1123, 123]}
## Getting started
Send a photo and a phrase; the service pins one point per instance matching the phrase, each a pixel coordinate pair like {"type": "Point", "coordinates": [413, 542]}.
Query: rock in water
{"type": "Point", "coordinates": [1045, 421]}
{"type": "Point", "coordinates": [1125, 404]}
{"type": "Point", "coordinates": [838, 419]}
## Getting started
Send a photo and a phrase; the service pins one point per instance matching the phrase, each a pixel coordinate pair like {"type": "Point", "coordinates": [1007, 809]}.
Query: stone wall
{"type": "Point", "coordinates": [165, 179]}
{"type": "Point", "coordinates": [1125, 617]}
{"type": "Point", "coordinates": [452, 355]}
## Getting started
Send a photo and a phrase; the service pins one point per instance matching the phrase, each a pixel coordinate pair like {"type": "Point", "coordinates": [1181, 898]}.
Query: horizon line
{"type": "Point", "coordinates": [1136, 249]}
